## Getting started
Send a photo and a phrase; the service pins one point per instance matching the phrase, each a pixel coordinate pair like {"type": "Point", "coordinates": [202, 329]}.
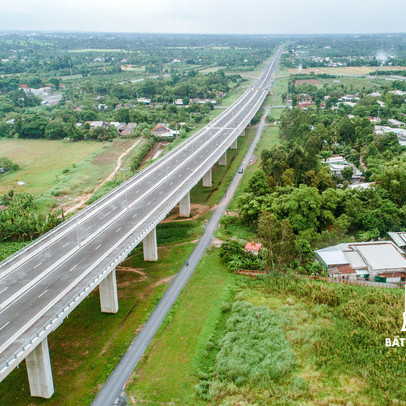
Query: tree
{"type": "Point", "coordinates": [258, 183]}
{"type": "Point", "coordinates": [347, 173]}
{"type": "Point", "coordinates": [269, 231]}
{"type": "Point", "coordinates": [122, 115]}
{"type": "Point", "coordinates": [392, 177]}
{"type": "Point", "coordinates": [55, 130]}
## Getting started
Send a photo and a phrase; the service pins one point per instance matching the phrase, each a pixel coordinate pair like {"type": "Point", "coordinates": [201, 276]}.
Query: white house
{"type": "Point", "coordinates": [377, 260]}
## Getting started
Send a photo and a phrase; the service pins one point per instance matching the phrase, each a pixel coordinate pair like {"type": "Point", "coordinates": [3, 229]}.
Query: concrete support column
{"type": "Point", "coordinates": [39, 371]}
{"type": "Point", "coordinates": [243, 133]}
{"type": "Point", "coordinates": [207, 179]}
{"type": "Point", "coordinates": [234, 144]}
{"type": "Point", "coordinates": [184, 206]}
{"type": "Point", "coordinates": [108, 293]}
{"type": "Point", "coordinates": [223, 159]}
{"type": "Point", "coordinates": [150, 246]}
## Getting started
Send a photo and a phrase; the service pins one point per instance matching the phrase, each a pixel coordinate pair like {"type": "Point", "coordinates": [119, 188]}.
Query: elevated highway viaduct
{"type": "Point", "coordinates": [42, 283]}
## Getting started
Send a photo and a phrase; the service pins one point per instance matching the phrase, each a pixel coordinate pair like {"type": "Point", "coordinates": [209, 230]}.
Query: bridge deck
{"type": "Point", "coordinates": [43, 283]}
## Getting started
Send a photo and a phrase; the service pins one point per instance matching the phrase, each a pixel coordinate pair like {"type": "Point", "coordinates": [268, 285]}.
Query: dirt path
{"type": "Point", "coordinates": [84, 198]}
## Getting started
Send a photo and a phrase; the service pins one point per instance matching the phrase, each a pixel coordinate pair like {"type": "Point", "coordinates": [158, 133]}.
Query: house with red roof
{"type": "Point", "coordinates": [253, 247]}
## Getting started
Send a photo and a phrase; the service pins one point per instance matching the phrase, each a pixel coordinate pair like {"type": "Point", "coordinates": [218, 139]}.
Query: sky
{"type": "Point", "coordinates": [205, 16]}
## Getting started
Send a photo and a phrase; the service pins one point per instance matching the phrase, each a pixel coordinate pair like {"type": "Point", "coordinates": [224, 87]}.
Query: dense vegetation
{"type": "Point", "coordinates": [19, 221]}
{"type": "Point", "coordinates": [312, 329]}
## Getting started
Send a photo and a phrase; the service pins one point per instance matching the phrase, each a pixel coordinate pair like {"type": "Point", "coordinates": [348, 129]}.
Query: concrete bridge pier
{"type": "Point", "coordinates": [150, 246]}
{"type": "Point", "coordinates": [184, 206]}
{"type": "Point", "coordinates": [242, 134]}
{"type": "Point", "coordinates": [234, 144]}
{"type": "Point", "coordinates": [39, 371]}
{"type": "Point", "coordinates": [108, 293]}
{"type": "Point", "coordinates": [223, 159]}
{"type": "Point", "coordinates": [207, 179]}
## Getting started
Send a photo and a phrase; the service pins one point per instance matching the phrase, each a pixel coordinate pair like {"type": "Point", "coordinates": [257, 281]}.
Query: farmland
{"type": "Point", "coordinates": [49, 168]}
{"type": "Point", "coordinates": [346, 70]}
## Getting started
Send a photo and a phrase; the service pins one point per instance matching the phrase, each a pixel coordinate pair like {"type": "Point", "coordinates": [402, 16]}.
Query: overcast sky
{"type": "Point", "coordinates": [206, 16]}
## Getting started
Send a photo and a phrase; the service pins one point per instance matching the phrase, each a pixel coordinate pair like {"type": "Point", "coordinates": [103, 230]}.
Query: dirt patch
{"type": "Point", "coordinates": [309, 82]}
{"type": "Point", "coordinates": [216, 242]}
{"type": "Point", "coordinates": [196, 210]}
{"type": "Point", "coordinates": [112, 152]}
{"type": "Point", "coordinates": [157, 146]}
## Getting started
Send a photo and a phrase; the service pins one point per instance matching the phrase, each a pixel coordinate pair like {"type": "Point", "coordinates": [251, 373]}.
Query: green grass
{"type": "Point", "coordinates": [270, 137]}
{"type": "Point", "coordinates": [88, 345]}
{"type": "Point", "coordinates": [168, 370]}
{"type": "Point", "coordinates": [222, 175]}
{"type": "Point", "coordinates": [42, 161]}
{"type": "Point", "coordinates": [322, 343]}
{"type": "Point", "coordinates": [211, 69]}
{"type": "Point", "coordinates": [50, 168]}
{"type": "Point", "coordinates": [232, 227]}
{"type": "Point", "coordinates": [8, 248]}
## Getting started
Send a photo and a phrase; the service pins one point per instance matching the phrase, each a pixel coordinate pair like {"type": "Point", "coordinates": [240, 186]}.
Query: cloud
{"type": "Point", "coordinates": [207, 16]}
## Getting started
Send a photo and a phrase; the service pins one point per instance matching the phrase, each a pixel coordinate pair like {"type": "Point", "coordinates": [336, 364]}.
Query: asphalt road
{"type": "Point", "coordinates": [112, 392]}
{"type": "Point", "coordinates": [44, 282]}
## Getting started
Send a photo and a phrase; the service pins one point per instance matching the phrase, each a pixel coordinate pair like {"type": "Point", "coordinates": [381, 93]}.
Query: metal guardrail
{"type": "Point", "coordinates": [120, 187]}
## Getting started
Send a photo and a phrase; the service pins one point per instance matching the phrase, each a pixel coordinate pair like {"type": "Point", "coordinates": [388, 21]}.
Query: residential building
{"type": "Point", "coordinates": [253, 247]}
{"type": "Point", "coordinates": [395, 122]}
{"type": "Point", "coordinates": [398, 238]}
{"type": "Point", "coordinates": [160, 129]}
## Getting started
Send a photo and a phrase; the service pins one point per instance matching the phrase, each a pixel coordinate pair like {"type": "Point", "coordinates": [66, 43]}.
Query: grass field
{"type": "Point", "coordinates": [88, 345]}
{"type": "Point", "coordinates": [328, 338]}
{"type": "Point", "coordinates": [50, 168]}
{"type": "Point", "coordinates": [222, 175]}
{"type": "Point", "coordinates": [368, 83]}
{"type": "Point", "coordinates": [167, 373]}
{"type": "Point", "coordinates": [211, 69]}
{"type": "Point", "coordinates": [346, 70]}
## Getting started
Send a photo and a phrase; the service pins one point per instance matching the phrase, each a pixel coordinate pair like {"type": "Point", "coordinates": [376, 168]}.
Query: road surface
{"type": "Point", "coordinates": [112, 393]}
{"type": "Point", "coordinates": [42, 283]}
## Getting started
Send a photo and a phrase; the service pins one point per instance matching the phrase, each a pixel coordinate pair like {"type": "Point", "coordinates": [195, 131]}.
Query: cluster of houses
{"type": "Point", "coordinates": [45, 93]}
{"type": "Point", "coordinates": [378, 261]}
{"type": "Point", "coordinates": [337, 163]}
{"type": "Point", "coordinates": [122, 128]}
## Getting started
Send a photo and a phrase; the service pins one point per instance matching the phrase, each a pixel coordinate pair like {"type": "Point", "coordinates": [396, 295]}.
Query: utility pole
{"type": "Point", "coordinates": [60, 205]}
{"type": "Point", "coordinates": [125, 185]}
{"type": "Point", "coordinates": [76, 221]}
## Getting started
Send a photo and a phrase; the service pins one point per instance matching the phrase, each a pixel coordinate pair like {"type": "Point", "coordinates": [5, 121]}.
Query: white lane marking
{"type": "Point", "coordinates": [73, 268]}
{"type": "Point", "coordinates": [108, 213]}
{"type": "Point", "coordinates": [88, 228]}
{"type": "Point", "coordinates": [43, 293]}
{"type": "Point", "coordinates": [100, 259]}
{"type": "Point", "coordinates": [97, 247]}
{"type": "Point", "coordinates": [135, 215]}
{"type": "Point", "coordinates": [100, 230]}
{"type": "Point", "coordinates": [64, 245]}
{"type": "Point", "coordinates": [161, 192]}
{"type": "Point", "coordinates": [36, 266]}
{"type": "Point", "coordinates": [118, 230]}
{"type": "Point", "coordinates": [149, 203]}
{"type": "Point", "coordinates": [4, 289]}
{"type": "Point", "coordinates": [4, 325]}
{"type": "Point", "coordinates": [137, 190]}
